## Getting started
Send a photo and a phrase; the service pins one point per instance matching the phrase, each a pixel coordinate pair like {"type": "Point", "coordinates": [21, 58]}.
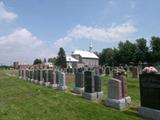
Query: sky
{"type": "Point", "coordinates": [32, 29]}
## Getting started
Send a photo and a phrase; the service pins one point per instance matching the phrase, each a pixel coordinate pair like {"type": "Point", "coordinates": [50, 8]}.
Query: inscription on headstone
{"type": "Point", "coordinates": [150, 90]}
{"type": "Point", "coordinates": [89, 82]}
{"type": "Point", "coordinates": [97, 83]}
{"type": "Point", "coordinates": [79, 79]}
{"type": "Point", "coordinates": [114, 89]}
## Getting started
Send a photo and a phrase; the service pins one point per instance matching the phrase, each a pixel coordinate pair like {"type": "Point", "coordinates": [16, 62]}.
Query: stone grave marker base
{"type": "Point", "coordinates": [62, 87]}
{"type": "Point", "coordinates": [32, 80]}
{"type": "Point", "coordinates": [120, 104]}
{"type": "Point", "coordinates": [36, 81]}
{"type": "Point", "coordinates": [78, 90]}
{"type": "Point", "coordinates": [41, 83]}
{"type": "Point", "coordinates": [99, 95]}
{"type": "Point", "coordinates": [47, 84]}
{"type": "Point", "coordinates": [24, 78]}
{"type": "Point", "coordinates": [54, 85]}
{"type": "Point", "coordinates": [149, 113]}
{"type": "Point", "coordinates": [89, 96]}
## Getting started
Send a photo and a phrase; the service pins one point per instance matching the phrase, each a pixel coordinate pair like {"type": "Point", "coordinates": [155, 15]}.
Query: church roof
{"type": "Point", "coordinates": [71, 59]}
{"type": "Point", "coordinates": [85, 54]}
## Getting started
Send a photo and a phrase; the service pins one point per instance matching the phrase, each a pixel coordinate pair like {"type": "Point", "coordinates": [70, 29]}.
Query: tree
{"type": "Point", "coordinates": [142, 51]}
{"type": "Point", "coordinates": [107, 57]}
{"type": "Point", "coordinates": [61, 59]}
{"type": "Point", "coordinates": [37, 61]}
{"type": "Point", "coordinates": [155, 48]}
{"type": "Point", "coordinates": [52, 60]}
{"type": "Point", "coordinates": [44, 60]}
{"type": "Point", "coordinates": [126, 52]}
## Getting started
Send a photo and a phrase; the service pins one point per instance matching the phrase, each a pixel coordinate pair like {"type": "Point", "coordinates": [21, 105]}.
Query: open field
{"type": "Point", "coordinates": [22, 100]}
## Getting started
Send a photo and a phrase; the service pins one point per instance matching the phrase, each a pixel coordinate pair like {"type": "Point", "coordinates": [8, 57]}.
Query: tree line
{"type": "Point", "coordinates": [128, 52]}
{"type": "Point", "coordinates": [59, 61]}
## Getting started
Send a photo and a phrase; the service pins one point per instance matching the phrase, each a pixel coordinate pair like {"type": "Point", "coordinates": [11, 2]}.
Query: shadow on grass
{"type": "Point", "coordinates": [132, 111]}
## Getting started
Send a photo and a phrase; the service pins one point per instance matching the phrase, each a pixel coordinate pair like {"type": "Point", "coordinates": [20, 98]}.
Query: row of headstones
{"type": "Point", "coordinates": [98, 70]}
{"type": "Point", "coordinates": [89, 85]}
{"type": "Point", "coordinates": [44, 77]}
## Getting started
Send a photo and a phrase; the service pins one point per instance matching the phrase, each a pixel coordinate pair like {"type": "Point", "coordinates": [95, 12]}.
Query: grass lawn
{"type": "Point", "coordinates": [22, 100]}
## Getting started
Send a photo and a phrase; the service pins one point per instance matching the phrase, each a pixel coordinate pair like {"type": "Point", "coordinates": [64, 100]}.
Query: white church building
{"type": "Point", "coordinates": [81, 58]}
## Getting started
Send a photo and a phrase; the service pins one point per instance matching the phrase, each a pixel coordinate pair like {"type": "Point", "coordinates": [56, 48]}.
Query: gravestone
{"type": "Point", "coordinates": [135, 72]}
{"type": "Point", "coordinates": [107, 71]}
{"type": "Point", "coordinates": [150, 96]}
{"type": "Point", "coordinates": [20, 73]}
{"type": "Point", "coordinates": [42, 74]}
{"type": "Point", "coordinates": [57, 81]}
{"type": "Point", "coordinates": [24, 74]}
{"type": "Point", "coordinates": [52, 78]}
{"type": "Point", "coordinates": [47, 83]}
{"type": "Point", "coordinates": [124, 88]}
{"type": "Point", "coordinates": [100, 71]}
{"type": "Point", "coordinates": [31, 74]}
{"type": "Point", "coordinates": [61, 81]}
{"type": "Point", "coordinates": [26, 70]}
{"type": "Point", "coordinates": [89, 86]}
{"type": "Point", "coordinates": [97, 83]}
{"type": "Point", "coordinates": [53, 82]}
{"type": "Point", "coordinates": [79, 82]}
{"type": "Point", "coordinates": [114, 89]}
{"type": "Point", "coordinates": [117, 95]}
{"type": "Point", "coordinates": [36, 77]}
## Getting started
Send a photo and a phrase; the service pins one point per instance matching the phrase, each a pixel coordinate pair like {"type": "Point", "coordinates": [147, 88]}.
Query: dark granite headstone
{"type": "Point", "coordinates": [57, 77]}
{"type": "Point", "coordinates": [50, 76]}
{"type": "Point", "coordinates": [79, 79]}
{"type": "Point", "coordinates": [22, 73]}
{"type": "Point", "coordinates": [31, 74]}
{"type": "Point", "coordinates": [44, 76]}
{"type": "Point", "coordinates": [27, 74]}
{"type": "Point", "coordinates": [38, 75]}
{"type": "Point", "coordinates": [107, 71]}
{"type": "Point", "coordinates": [89, 82]}
{"type": "Point", "coordinates": [150, 90]}
{"type": "Point", "coordinates": [35, 74]}
{"type": "Point", "coordinates": [100, 71]}
{"type": "Point", "coordinates": [97, 83]}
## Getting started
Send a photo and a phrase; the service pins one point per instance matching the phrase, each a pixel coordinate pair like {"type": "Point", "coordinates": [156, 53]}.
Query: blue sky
{"type": "Point", "coordinates": [37, 28]}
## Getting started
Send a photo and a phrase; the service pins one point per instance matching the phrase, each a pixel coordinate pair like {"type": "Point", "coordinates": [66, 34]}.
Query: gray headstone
{"type": "Point", "coordinates": [114, 89]}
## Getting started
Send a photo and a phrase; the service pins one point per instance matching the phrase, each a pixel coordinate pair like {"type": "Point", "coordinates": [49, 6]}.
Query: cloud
{"type": "Point", "coordinates": [111, 34]}
{"type": "Point", "coordinates": [23, 46]}
{"type": "Point", "coordinates": [5, 14]}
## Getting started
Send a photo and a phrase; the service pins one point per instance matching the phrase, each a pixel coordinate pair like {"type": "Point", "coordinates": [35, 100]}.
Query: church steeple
{"type": "Point", "coordinates": [90, 46]}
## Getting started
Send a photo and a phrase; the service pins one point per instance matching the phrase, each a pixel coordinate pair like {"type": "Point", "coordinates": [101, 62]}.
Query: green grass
{"type": "Point", "coordinates": [21, 100]}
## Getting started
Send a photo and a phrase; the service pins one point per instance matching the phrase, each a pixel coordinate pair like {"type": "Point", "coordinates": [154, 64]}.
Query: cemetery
{"type": "Point", "coordinates": [99, 92]}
